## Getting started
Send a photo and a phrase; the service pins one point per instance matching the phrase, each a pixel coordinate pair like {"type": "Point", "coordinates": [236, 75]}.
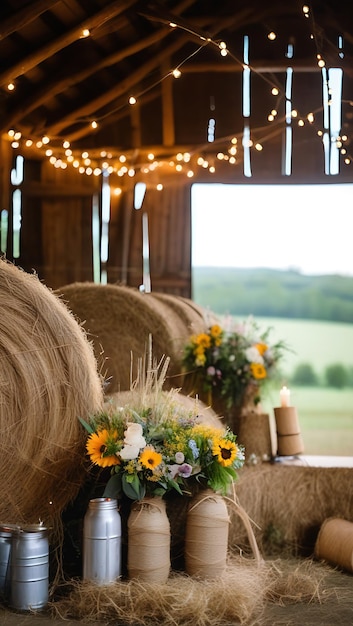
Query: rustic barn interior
{"type": "Point", "coordinates": [110, 110]}
{"type": "Point", "coordinates": [98, 96]}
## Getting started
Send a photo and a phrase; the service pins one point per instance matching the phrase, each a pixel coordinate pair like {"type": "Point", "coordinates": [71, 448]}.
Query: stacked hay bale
{"type": "Point", "coordinates": [119, 320]}
{"type": "Point", "coordinates": [48, 379]}
{"type": "Point", "coordinates": [288, 504]}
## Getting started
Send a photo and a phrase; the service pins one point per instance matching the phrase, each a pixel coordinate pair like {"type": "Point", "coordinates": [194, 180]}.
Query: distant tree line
{"type": "Point", "coordinates": [335, 375]}
{"type": "Point", "coordinates": [274, 293]}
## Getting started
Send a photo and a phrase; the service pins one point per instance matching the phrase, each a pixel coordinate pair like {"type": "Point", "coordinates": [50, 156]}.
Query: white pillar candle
{"type": "Point", "coordinates": [284, 395]}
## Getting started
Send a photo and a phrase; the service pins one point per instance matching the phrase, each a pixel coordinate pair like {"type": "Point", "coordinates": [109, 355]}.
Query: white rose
{"type": "Point", "coordinates": [128, 453]}
{"type": "Point", "coordinates": [133, 435]}
{"type": "Point", "coordinates": [179, 457]}
{"type": "Point", "coordinates": [253, 355]}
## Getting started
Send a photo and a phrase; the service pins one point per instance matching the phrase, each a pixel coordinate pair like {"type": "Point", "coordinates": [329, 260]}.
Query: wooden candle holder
{"type": "Point", "coordinates": [289, 439]}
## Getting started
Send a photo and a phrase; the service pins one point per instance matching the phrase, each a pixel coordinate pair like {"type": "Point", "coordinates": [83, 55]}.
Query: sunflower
{"type": "Point", "coordinates": [225, 451]}
{"type": "Point", "coordinates": [203, 340]}
{"type": "Point", "coordinates": [216, 333]}
{"type": "Point", "coordinates": [150, 459]}
{"type": "Point", "coordinates": [101, 448]}
{"type": "Point", "coordinates": [258, 370]}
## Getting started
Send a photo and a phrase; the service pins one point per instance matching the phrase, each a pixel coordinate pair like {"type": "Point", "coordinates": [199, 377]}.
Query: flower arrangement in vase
{"type": "Point", "coordinates": [231, 365]}
{"type": "Point", "coordinates": [152, 454]}
{"type": "Point", "coordinates": [154, 444]}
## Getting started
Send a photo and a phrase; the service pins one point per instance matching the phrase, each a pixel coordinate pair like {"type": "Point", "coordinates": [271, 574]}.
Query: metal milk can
{"type": "Point", "coordinates": [30, 568]}
{"type": "Point", "coordinates": [6, 535]}
{"type": "Point", "coordinates": [102, 541]}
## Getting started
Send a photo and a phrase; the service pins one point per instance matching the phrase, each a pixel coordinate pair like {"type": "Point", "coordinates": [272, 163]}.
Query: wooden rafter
{"type": "Point", "coordinates": [38, 56]}
{"type": "Point", "coordinates": [94, 106]}
{"type": "Point", "coordinates": [25, 16]}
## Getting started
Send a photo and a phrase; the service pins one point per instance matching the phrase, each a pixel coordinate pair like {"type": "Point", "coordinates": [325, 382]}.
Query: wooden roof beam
{"type": "Point", "coordinates": [45, 93]}
{"type": "Point", "coordinates": [25, 16]}
{"type": "Point", "coordinates": [92, 107]}
{"type": "Point", "coordinates": [37, 57]}
{"type": "Point", "coordinates": [42, 95]}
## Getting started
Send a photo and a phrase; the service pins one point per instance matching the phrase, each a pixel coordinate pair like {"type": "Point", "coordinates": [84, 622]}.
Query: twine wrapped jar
{"type": "Point", "coordinates": [206, 537]}
{"type": "Point", "coordinates": [148, 556]}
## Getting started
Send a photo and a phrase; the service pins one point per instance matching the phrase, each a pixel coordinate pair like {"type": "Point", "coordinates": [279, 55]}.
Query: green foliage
{"type": "Point", "coordinates": [336, 375]}
{"type": "Point", "coordinates": [305, 375]}
{"type": "Point", "coordinates": [273, 293]}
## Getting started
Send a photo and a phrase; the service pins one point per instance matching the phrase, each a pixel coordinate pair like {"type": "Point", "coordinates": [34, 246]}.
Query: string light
{"type": "Point", "coordinates": [88, 164]}
{"type": "Point", "coordinates": [11, 87]}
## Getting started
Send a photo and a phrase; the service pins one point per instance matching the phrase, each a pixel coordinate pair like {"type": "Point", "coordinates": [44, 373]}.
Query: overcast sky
{"type": "Point", "coordinates": [303, 227]}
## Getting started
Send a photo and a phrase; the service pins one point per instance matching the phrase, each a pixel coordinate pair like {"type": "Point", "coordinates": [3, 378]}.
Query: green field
{"type": "Point", "coordinates": [316, 342]}
{"type": "Point", "coordinates": [325, 415]}
{"type": "Point", "coordinates": [325, 418]}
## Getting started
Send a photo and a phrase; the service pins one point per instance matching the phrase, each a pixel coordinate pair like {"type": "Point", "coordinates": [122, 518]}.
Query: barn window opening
{"type": "Point", "coordinates": [96, 240]}
{"type": "Point", "coordinates": [282, 253]}
{"type": "Point", "coordinates": [17, 174]}
{"type": "Point", "coordinates": [105, 226]}
{"type": "Point", "coordinates": [4, 228]}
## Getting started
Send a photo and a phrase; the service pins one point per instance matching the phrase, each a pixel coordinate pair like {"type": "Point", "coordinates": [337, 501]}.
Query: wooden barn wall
{"type": "Point", "coordinates": [56, 223]}
{"type": "Point", "coordinates": [56, 238]}
{"type": "Point", "coordinates": [169, 235]}
{"type": "Point", "coordinates": [66, 203]}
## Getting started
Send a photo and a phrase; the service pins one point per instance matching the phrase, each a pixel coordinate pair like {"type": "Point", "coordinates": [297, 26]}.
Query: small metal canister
{"type": "Point", "coordinates": [30, 568]}
{"type": "Point", "coordinates": [6, 535]}
{"type": "Point", "coordinates": [102, 541]}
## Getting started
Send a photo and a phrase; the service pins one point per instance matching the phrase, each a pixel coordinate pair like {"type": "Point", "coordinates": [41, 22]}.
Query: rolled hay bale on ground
{"type": "Point", "coordinates": [288, 504]}
{"type": "Point", "coordinates": [119, 320]}
{"type": "Point", "coordinates": [48, 378]}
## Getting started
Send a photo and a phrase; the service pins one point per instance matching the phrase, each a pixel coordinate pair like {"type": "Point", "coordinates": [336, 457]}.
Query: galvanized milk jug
{"type": "Point", "coordinates": [6, 535]}
{"type": "Point", "coordinates": [102, 541]}
{"type": "Point", "coordinates": [30, 568]}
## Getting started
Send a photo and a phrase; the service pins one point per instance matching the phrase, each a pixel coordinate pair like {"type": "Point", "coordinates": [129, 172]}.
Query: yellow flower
{"type": "Point", "coordinates": [225, 451]}
{"type": "Point", "coordinates": [99, 448]}
{"type": "Point", "coordinates": [216, 332]}
{"type": "Point", "coordinates": [206, 431]}
{"type": "Point", "coordinates": [258, 371]}
{"type": "Point", "coordinates": [203, 340]}
{"type": "Point", "coordinates": [200, 360]}
{"type": "Point", "coordinates": [150, 459]}
{"type": "Point", "coordinates": [261, 347]}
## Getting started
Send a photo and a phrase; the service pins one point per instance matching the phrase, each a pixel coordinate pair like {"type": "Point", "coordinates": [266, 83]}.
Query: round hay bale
{"type": "Point", "coordinates": [119, 320]}
{"type": "Point", "coordinates": [48, 378]}
{"type": "Point", "coordinates": [206, 414]}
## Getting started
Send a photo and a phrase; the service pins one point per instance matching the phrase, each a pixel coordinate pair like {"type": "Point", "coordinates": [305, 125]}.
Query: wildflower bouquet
{"type": "Point", "coordinates": [148, 455]}
{"type": "Point", "coordinates": [229, 363]}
